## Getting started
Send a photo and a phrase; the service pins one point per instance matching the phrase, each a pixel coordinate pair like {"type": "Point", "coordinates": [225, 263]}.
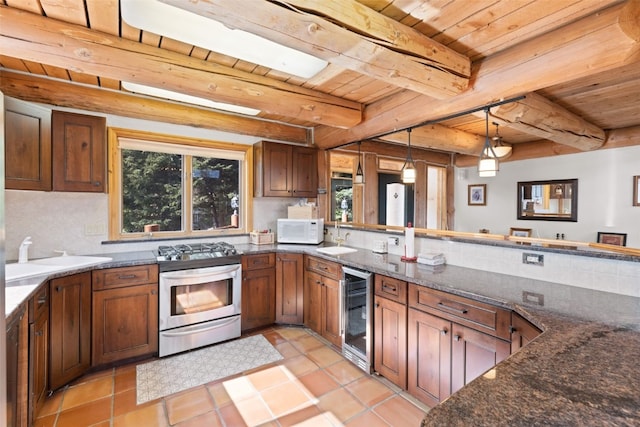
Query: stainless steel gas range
{"type": "Point", "coordinates": [199, 297]}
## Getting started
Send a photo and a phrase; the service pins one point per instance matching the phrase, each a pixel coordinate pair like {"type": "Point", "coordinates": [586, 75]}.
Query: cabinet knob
{"type": "Point", "coordinates": [42, 300]}
{"type": "Point", "coordinates": [377, 304]}
{"type": "Point", "coordinates": [58, 288]}
{"type": "Point", "coordinates": [443, 332]}
{"type": "Point", "coordinates": [154, 292]}
{"type": "Point", "coordinates": [456, 337]}
{"type": "Point", "coordinates": [39, 333]}
{"type": "Point", "coordinates": [512, 329]}
{"type": "Point", "coordinates": [97, 184]}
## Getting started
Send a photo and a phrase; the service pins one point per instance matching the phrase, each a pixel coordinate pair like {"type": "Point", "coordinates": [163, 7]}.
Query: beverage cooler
{"type": "Point", "coordinates": [356, 317]}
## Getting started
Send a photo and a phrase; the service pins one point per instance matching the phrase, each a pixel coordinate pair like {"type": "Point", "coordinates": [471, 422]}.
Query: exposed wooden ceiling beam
{"type": "Point", "coordinates": [32, 37]}
{"type": "Point", "coordinates": [426, 67]}
{"type": "Point", "coordinates": [538, 116]}
{"type": "Point", "coordinates": [611, 37]}
{"type": "Point", "coordinates": [63, 94]}
{"type": "Point", "coordinates": [438, 137]}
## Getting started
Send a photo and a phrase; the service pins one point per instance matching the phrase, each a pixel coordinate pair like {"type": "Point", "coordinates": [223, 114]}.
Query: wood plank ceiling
{"type": "Point", "coordinates": [392, 64]}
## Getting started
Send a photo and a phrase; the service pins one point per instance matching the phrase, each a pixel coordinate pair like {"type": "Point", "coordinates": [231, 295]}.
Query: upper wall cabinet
{"type": "Point", "coordinates": [79, 152]}
{"type": "Point", "coordinates": [284, 170]}
{"type": "Point", "coordinates": [27, 146]}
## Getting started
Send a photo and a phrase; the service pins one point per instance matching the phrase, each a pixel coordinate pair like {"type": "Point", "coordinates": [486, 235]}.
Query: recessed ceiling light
{"type": "Point", "coordinates": [187, 27]}
{"type": "Point", "coordinates": [181, 97]}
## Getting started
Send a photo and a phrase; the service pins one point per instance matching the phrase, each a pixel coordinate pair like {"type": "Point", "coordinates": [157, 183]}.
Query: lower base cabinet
{"type": "Point", "coordinates": [390, 329]}
{"type": "Point", "coordinates": [16, 366]}
{"type": "Point", "coordinates": [70, 328]}
{"type": "Point", "coordinates": [289, 288]}
{"type": "Point", "coordinates": [125, 314]}
{"type": "Point", "coordinates": [322, 299]}
{"type": "Point", "coordinates": [258, 291]}
{"type": "Point", "coordinates": [38, 351]}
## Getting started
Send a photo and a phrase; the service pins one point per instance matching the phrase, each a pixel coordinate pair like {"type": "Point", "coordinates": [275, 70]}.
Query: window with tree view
{"type": "Point", "coordinates": [179, 190]}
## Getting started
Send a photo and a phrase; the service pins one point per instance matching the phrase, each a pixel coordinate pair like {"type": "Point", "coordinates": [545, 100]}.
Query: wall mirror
{"type": "Point", "coordinates": [555, 200]}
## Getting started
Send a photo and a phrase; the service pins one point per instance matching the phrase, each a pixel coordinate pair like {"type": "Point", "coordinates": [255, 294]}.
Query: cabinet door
{"type": "Point", "coordinates": [390, 340]}
{"type": "Point", "coordinates": [13, 369]}
{"type": "Point", "coordinates": [313, 301]}
{"type": "Point", "coordinates": [79, 152]}
{"type": "Point", "coordinates": [289, 289]}
{"type": "Point", "coordinates": [473, 353]}
{"type": "Point", "coordinates": [331, 325]}
{"type": "Point", "coordinates": [277, 170]}
{"type": "Point", "coordinates": [258, 298]}
{"type": "Point", "coordinates": [39, 363]}
{"type": "Point", "coordinates": [70, 333]}
{"type": "Point", "coordinates": [304, 172]}
{"type": "Point", "coordinates": [27, 146]}
{"type": "Point", "coordinates": [522, 332]}
{"type": "Point", "coordinates": [125, 323]}
{"type": "Point", "coordinates": [429, 357]}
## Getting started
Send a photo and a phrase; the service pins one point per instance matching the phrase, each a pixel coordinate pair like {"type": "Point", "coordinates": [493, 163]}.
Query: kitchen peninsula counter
{"type": "Point", "coordinates": [582, 370]}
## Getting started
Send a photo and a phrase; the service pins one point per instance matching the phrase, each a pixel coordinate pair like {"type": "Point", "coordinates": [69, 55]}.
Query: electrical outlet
{"type": "Point", "coordinates": [393, 241]}
{"type": "Point", "coordinates": [95, 229]}
{"type": "Point", "coordinates": [533, 259]}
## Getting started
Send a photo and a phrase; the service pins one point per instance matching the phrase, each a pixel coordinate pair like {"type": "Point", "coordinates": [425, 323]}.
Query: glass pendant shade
{"type": "Point", "coordinates": [359, 178]}
{"type": "Point", "coordinates": [409, 168]}
{"type": "Point", "coordinates": [498, 149]}
{"type": "Point", "coordinates": [408, 174]}
{"type": "Point", "coordinates": [488, 164]}
{"type": "Point", "coordinates": [487, 167]}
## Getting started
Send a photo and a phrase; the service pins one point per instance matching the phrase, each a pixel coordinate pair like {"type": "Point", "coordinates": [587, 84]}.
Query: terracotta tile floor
{"type": "Point", "coordinates": [312, 386]}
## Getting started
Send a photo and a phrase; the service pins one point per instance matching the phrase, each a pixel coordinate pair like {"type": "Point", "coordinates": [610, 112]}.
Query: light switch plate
{"type": "Point", "coordinates": [533, 259]}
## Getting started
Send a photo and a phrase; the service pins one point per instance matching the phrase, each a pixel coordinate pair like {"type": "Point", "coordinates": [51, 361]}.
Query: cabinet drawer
{"type": "Point", "coordinates": [111, 278]}
{"type": "Point", "coordinates": [480, 316]}
{"type": "Point", "coordinates": [390, 288]}
{"type": "Point", "coordinates": [258, 261]}
{"type": "Point", "coordinates": [326, 268]}
{"type": "Point", "coordinates": [39, 303]}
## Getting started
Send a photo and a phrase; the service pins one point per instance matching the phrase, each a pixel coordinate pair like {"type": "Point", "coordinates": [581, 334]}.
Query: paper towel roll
{"type": "Point", "coordinates": [409, 243]}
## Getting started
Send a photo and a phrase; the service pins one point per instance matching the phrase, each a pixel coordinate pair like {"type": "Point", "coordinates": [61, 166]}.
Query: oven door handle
{"type": "Point", "coordinates": [233, 270]}
{"type": "Point", "coordinates": [200, 328]}
{"type": "Point", "coordinates": [343, 303]}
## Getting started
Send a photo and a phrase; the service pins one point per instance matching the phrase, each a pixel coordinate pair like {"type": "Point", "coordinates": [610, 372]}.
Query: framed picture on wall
{"type": "Point", "coordinates": [636, 190]}
{"type": "Point", "coordinates": [477, 195]}
{"type": "Point", "coordinates": [619, 239]}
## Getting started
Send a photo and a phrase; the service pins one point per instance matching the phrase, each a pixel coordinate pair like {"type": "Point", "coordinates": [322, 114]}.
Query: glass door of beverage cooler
{"type": "Point", "coordinates": [356, 297]}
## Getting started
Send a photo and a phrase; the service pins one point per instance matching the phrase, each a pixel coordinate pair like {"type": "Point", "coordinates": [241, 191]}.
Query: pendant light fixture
{"type": "Point", "coordinates": [359, 178]}
{"type": "Point", "coordinates": [488, 164]}
{"type": "Point", "coordinates": [409, 168]}
{"type": "Point", "coordinates": [501, 150]}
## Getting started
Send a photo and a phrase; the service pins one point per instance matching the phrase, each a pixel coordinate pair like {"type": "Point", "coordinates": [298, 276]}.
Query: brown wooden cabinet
{"type": "Point", "coordinates": [125, 313]}
{"type": "Point", "coordinates": [289, 288]}
{"type": "Point", "coordinates": [452, 340]}
{"type": "Point", "coordinates": [522, 332]}
{"type": "Point", "coordinates": [70, 328]}
{"type": "Point", "coordinates": [258, 290]}
{"type": "Point", "coordinates": [27, 146]}
{"type": "Point", "coordinates": [38, 350]}
{"type": "Point", "coordinates": [284, 170]}
{"type": "Point", "coordinates": [79, 152]}
{"type": "Point", "coordinates": [390, 329]}
{"type": "Point", "coordinates": [16, 352]}
{"type": "Point", "coordinates": [322, 298]}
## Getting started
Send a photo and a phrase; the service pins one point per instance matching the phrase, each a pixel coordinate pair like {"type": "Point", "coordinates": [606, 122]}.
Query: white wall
{"type": "Point", "coordinates": [605, 194]}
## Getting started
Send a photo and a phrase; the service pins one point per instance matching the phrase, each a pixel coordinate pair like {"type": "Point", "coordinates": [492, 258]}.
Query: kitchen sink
{"type": "Point", "coordinates": [71, 261]}
{"type": "Point", "coordinates": [336, 250]}
{"type": "Point", "coordinates": [38, 267]}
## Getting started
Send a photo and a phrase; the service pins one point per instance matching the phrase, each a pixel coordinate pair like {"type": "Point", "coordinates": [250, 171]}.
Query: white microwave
{"type": "Point", "coordinates": [306, 231]}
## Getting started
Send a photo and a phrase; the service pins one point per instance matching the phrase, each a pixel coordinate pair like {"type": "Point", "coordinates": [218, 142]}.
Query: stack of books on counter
{"type": "Point", "coordinates": [431, 262]}
{"type": "Point", "coordinates": [431, 258]}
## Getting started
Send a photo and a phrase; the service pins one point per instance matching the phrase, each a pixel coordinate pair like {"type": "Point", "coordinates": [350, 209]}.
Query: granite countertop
{"type": "Point", "coordinates": [582, 370]}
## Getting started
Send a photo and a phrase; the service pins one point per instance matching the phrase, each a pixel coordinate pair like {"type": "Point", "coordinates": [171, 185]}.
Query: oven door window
{"type": "Point", "coordinates": [202, 297]}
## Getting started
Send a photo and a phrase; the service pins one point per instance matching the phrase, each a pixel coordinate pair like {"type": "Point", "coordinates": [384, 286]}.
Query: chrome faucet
{"type": "Point", "coordinates": [23, 252]}
{"type": "Point", "coordinates": [339, 240]}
